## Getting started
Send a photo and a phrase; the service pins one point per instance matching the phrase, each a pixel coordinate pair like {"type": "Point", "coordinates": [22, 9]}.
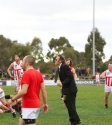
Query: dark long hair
{"type": "Point", "coordinates": [62, 58]}
{"type": "Point", "coordinates": [70, 61]}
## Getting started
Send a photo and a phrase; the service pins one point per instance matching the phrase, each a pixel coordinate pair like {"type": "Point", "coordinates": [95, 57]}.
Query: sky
{"type": "Point", "coordinates": [23, 20]}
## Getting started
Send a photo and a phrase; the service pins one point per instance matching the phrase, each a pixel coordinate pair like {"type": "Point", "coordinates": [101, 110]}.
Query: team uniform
{"type": "Point", "coordinates": [2, 94]}
{"type": "Point", "coordinates": [97, 78]}
{"type": "Point", "coordinates": [108, 81]}
{"type": "Point", "coordinates": [31, 100]}
{"type": "Point", "coordinates": [17, 69]}
{"type": "Point", "coordinates": [1, 111]}
{"type": "Point", "coordinates": [18, 101]}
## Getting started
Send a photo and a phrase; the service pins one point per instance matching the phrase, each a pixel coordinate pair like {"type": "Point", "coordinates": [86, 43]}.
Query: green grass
{"type": "Point", "coordinates": [90, 107]}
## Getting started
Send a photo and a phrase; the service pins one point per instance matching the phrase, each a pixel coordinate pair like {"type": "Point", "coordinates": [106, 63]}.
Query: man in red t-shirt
{"type": "Point", "coordinates": [31, 84]}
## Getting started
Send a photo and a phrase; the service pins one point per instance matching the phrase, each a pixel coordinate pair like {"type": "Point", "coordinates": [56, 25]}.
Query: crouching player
{"type": "Point", "coordinates": [3, 108]}
{"type": "Point", "coordinates": [3, 101]}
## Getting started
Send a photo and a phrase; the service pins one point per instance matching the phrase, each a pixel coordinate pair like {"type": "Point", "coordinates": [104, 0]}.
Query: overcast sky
{"type": "Point", "coordinates": [23, 20]}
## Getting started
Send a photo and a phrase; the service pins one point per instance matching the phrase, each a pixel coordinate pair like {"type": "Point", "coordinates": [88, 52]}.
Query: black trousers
{"type": "Point", "coordinates": [70, 100]}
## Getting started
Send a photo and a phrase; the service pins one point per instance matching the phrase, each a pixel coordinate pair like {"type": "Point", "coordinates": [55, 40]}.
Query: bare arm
{"type": "Point", "coordinates": [44, 96]}
{"type": "Point", "coordinates": [74, 73]}
{"type": "Point", "coordinates": [20, 94]}
{"type": "Point", "coordinates": [103, 75]}
{"type": "Point", "coordinates": [10, 68]}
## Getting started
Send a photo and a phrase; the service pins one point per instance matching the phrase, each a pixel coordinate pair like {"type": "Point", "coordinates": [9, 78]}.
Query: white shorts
{"type": "Point", "coordinates": [2, 94]}
{"type": "Point", "coordinates": [97, 80]}
{"type": "Point", "coordinates": [108, 88]}
{"type": "Point", "coordinates": [30, 113]}
{"type": "Point", "coordinates": [15, 82]}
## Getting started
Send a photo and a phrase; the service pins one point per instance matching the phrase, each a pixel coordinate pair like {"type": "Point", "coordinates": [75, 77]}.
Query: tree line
{"type": "Point", "coordinates": [9, 48]}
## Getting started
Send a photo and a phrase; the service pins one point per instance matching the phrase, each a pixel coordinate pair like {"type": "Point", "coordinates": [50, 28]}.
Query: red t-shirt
{"type": "Point", "coordinates": [34, 79]}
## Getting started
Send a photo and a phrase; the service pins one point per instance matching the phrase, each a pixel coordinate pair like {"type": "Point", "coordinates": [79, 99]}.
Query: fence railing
{"type": "Point", "coordinates": [51, 82]}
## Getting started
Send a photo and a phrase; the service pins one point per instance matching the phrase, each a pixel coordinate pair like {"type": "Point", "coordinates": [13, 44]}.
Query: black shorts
{"type": "Point", "coordinates": [29, 121]}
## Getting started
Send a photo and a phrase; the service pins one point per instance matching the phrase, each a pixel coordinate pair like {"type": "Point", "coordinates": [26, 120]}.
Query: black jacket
{"type": "Point", "coordinates": [67, 80]}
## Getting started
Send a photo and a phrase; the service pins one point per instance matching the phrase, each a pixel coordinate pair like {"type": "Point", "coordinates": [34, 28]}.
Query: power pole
{"type": "Point", "coordinates": [93, 37]}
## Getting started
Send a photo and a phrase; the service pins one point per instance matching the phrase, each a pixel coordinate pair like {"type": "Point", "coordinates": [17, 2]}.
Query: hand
{"type": "Point", "coordinates": [45, 108]}
{"type": "Point", "coordinates": [12, 77]}
{"type": "Point", "coordinates": [59, 84]}
{"type": "Point", "coordinates": [9, 102]}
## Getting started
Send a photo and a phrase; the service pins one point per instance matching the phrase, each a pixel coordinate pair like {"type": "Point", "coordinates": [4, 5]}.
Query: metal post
{"type": "Point", "coordinates": [93, 37]}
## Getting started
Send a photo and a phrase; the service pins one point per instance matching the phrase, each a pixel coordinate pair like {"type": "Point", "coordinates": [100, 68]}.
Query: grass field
{"type": "Point", "coordinates": [90, 107]}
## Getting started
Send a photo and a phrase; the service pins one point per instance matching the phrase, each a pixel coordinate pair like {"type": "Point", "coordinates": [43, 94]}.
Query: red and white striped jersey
{"type": "Point", "coordinates": [108, 80]}
{"type": "Point", "coordinates": [17, 69]}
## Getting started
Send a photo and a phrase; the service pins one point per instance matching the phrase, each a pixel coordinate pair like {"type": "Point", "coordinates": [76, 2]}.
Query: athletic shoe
{"type": "Point", "coordinates": [75, 123]}
{"type": "Point", "coordinates": [14, 114]}
{"type": "Point", "coordinates": [106, 105]}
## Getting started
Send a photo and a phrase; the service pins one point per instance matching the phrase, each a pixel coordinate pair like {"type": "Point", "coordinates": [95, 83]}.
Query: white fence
{"type": "Point", "coordinates": [51, 82]}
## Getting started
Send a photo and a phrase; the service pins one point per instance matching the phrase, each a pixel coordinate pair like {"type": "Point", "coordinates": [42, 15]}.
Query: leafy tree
{"type": "Point", "coordinates": [99, 46]}
{"type": "Point", "coordinates": [50, 56]}
{"type": "Point", "coordinates": [19, 48]}
{"type": "Point", "coordinates": [103, 67]}
{"type": "Point", "coordinates": [57, 46]}
{"type": "Point", "coordinates": [80, 57]}
{"type": "Point", "coordinates": [36, 49]}
{"type": "Point", "coordinates": [46, 67]}
{"type": "Point", "coordinates": [70, 53]}
{"type": "Point", "coordinates": [5, 47]}
{"type": "Point", "coordinates": [110, 60]}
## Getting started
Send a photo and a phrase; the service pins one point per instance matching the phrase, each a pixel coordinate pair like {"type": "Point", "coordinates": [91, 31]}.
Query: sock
{"type": "Point", "coordinates": [7, 96]}
{"type": "Point", "coordinates": [10, 108]}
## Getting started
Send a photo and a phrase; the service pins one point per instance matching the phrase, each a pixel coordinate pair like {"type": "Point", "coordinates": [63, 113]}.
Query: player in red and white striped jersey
{"type": "Point", "coordinates": [16, 68]}
{"type": "Point", "coordinates": [97, 78]}
{"type": "Point", "coordinates": [107, 75]}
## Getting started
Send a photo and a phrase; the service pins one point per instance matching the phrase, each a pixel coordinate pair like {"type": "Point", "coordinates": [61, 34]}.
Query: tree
{"type": "Point", "coordinates": [57, 46]}
{"type": "Point", "coordinates": [50, 56]}
{"type": "Point", "coordinates": [5, 47]}
{"type": "Point", "coordinates": [36, 49]}
{"type": "Point", "coordinates": [110, 60]}
{"type": "Point", "coordinates": [80, 58]}
{"type": "Point", "coordinates": [70, 53]}
{"type": "Point", "coordinates": [103, 67]}
{"type": "Point", "coordinates": [19, 48]}
{"type": "Point", "coordinates": [99, 46]}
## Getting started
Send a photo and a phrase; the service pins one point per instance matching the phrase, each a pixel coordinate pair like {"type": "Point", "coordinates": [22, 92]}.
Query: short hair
{"type": "Point", "coordinates": [30, 59]}
{"type": "Point", "coordinates": [62, 58]}
{"type": "Point", "coordinates": [70, 61]}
